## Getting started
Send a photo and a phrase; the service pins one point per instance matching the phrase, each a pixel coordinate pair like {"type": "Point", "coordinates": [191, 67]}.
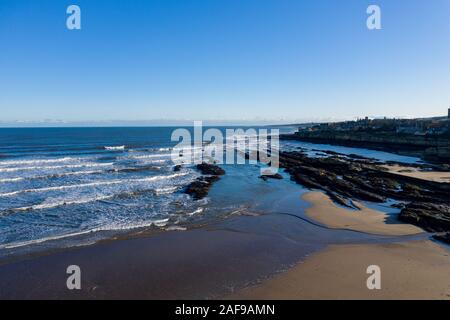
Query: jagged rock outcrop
{"type": "Point", "coordinates": [211, 169]}
{"type": "Point", "coordinates": [275, 176]}
{"type": "Point", "coordinates": [431, 217]}
{"type": "Point", "coordinates": [199, 188]}
{"type": "Point", "coordinates": [343, 178]}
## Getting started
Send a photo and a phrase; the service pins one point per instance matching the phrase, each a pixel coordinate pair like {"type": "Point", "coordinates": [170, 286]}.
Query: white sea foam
{"type": "Point", "coordinates": [11, 180]}
{"type": "Point", "coordinates": [113, 227]}
{"type": "Point", "coordinates": [36, 161]}
{"type": "Point", "coordinates": [155, 161]}
{"type": "Point", "coordinates": [69, 166]}
{"type": "Point", "coordinates": [94, 184]}
{"type": "Point", "coordinates": [199, 210]}
{"type": "Point", "coordinates": [175, 228]}
{"type": "Point", "coordinates": [42, 240]}
{"type": "Point", "coordinates": [56, 204]}
{"type": "Point", "coordinates": [75, 173]}
{"type": "Point", "coordinates": [115, 148]}
{"type": "Point", "coordinates": [167, 190]}
{"type": "Point", "coordinates": [151, 156]}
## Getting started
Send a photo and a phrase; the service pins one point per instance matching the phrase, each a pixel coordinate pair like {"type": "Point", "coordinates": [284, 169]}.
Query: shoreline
{"type": "Point", "coordinates": [202, 263]}
{"type": "Point", "coordinates": [417, 269]}
{"type": "Point", "coordinates": [281, 247]}
{"type": "Point", "coordinates": [412, 270]}
{"type": "Point", "coordinates": [326, 212]}
{"type": "Point", "coordinates": [413, 172]}
{"type": "Point", "coordinates": [435, 150]}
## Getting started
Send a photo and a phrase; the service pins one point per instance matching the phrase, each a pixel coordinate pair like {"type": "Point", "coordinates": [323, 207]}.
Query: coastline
{"type": "Point", "coordinates": [367, 220]}
{"type": "Point", "coordinates": [223, 159]}
{"type": "Point", "coordinates": [203, 263]}
{"type": "Point", "coordinates": [411, 270]}
{"type": "Point", "coordinates": [417, 269]}
{"type": "Point", "coordinates": [293, 236]}
{"type": "Point", "coordinates": [200, 263]}
{"type": "Point", "coordinates": [407, 171]}
{"type": "Point", "coordinates": [436, 149]}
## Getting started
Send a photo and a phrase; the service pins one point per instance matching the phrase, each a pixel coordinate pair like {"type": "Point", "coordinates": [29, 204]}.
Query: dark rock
{"type": "Point", "coordinates": [444, 237]}
{"type": "Point", "coordinates": [398, 205]}
{"type": "Point", "coordinates": [356, 156]}
{"type": "Point", "coordinates": [424, 203]}
{"type": "Point", "coordinates": [177, 168]}
{"type": "Point", "coordinates": [200, 187]}
{"type": "Point", "coordinates": [276, 176]}
{"type": "Point", "coordinates": [429, 216]}
{"type": "Point", "coordinates": [210, 169]}
{"type": "Point", "coordinates": [338, 199]}
{"type": "Point", "coordinates": [210, 179]}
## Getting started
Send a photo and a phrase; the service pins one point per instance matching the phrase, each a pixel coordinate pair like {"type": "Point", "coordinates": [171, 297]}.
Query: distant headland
{"type": "Point", "coordinates": [426, 137]}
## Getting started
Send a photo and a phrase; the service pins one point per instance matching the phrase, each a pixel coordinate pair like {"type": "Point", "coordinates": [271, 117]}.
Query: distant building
{"type": "Point", "coordinates": [433, 126]}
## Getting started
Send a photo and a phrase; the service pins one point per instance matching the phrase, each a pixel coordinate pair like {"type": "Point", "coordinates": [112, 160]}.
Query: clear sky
{"type": "Point", "coordinates": [223, 59]}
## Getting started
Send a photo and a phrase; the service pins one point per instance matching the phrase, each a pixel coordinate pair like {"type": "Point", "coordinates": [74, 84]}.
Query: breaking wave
{"type": "Point", "coordinates": [36, 161]}
{"type": "Point", "coordinates": [11, 180]}
{"type": "Point", "coordinates": [114, 227]}
{"type": "Point", "coordinates": [115, 148]}
{"type": "Point", "coordinates": [94, 184]}
{"type": "Point", "coordinates": [69, 166]}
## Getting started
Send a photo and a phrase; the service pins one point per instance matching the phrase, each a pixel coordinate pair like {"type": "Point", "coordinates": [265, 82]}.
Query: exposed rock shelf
{"type": "Point", "coordinates": [199, 188]}
{"type": "Point", "coordinates": [424, 203]}
{"type": "Point", "coordinates": [427, 147]}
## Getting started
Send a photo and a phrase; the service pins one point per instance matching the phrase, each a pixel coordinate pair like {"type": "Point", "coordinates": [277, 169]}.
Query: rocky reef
{"type": "Point", "coordinates": [199, 188]}
{"type": "Point", "coordinates": [345, 178]}
{"type": "Point", "coordinates": [349, 178]}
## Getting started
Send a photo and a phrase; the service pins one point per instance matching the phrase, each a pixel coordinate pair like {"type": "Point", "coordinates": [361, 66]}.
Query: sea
{"type": "Point", "coordinates": [64, 187]}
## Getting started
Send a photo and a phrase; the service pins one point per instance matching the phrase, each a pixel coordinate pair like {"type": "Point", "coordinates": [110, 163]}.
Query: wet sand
{"type": "Point", "coordinates": [212, 261]}
{"type": "Point", "coordinates": [409, 270]}
{"type": "Point", "coordinates": [203, 263]}
{"type": "Point", "coordinates": [412, 270]}
{"type": "Point", "coordinates": [326, 212]}
{"type": "Point", "coordinates": [435, 176]}
{"type": "Point", "coordinates": [226, 258]}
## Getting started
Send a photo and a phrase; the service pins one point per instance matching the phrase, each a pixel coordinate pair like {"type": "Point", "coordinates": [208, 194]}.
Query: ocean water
{"type": "Point", "coordinates": [57, 183]}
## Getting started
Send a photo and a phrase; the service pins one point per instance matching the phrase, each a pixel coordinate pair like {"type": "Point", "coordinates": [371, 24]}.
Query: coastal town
{"type": "Point", "coordinates": [427, 138]}
{"type": "Point", "coordinates": [436, 126]}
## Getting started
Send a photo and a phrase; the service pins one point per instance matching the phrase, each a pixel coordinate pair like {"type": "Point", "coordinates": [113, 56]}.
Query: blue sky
{"type": "Point", "coordinates": [251, 60]}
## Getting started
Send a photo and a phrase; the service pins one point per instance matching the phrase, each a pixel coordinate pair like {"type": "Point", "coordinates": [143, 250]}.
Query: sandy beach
{"type": "Point", "coordinates": [367, 220]}
{"type": "Point", "coordinates": [411, 270]}
{"type": "Point", "coordinates": [435, 176]}
{"type": "Point", "coordinates": [200, 263]}
{"type": "Point", "coordinates": [315, 262]}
